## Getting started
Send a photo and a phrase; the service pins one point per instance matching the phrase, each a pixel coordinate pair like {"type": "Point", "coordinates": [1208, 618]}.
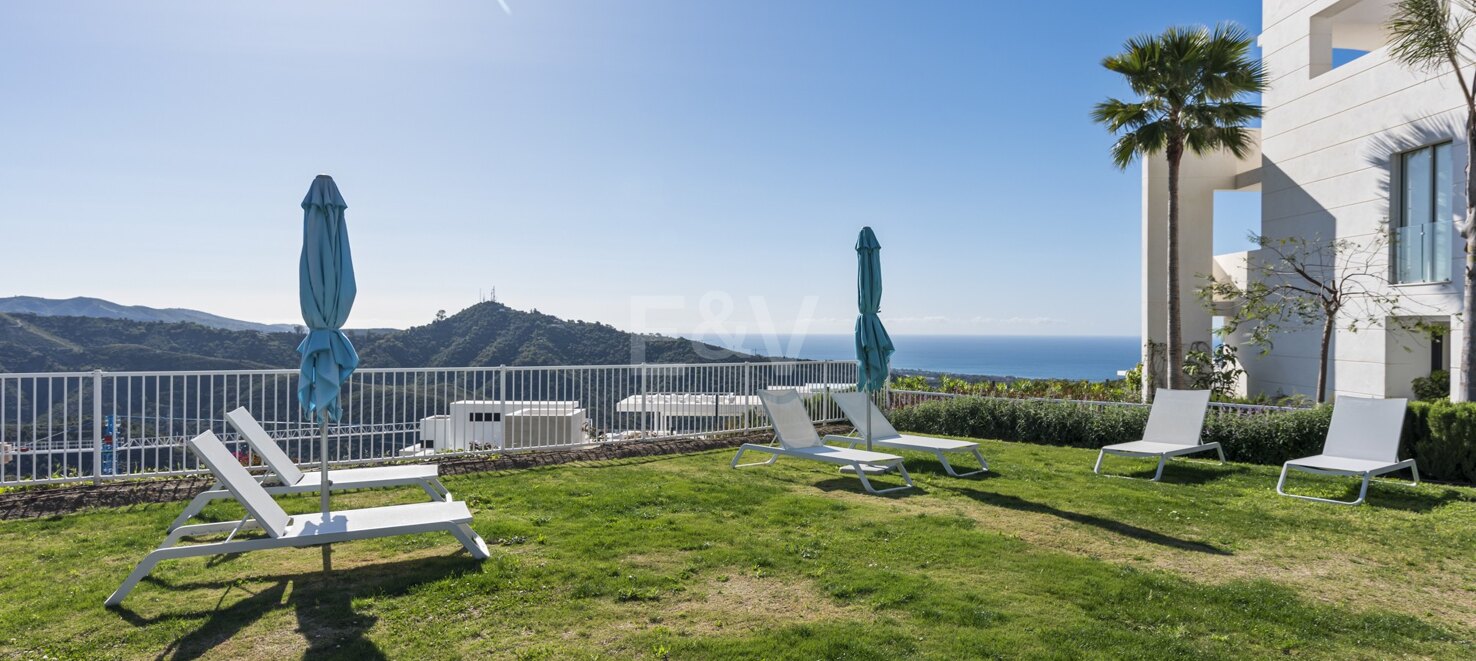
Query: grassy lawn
{"type": "Point", "coordinates": [682, 557]}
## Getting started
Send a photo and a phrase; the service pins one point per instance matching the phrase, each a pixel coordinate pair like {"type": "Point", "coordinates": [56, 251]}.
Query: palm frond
{"type": "Point", "coordinates": [1191, 81]}
{"type": "Point", "coordinates": [1426, 34]}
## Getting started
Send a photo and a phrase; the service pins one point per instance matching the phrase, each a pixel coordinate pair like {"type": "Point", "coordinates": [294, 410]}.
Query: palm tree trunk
{"type": "Point", "coordinates": [1466, 392]}
{"type": "Point", "coordinates": [1327, 332]}
{"type": "Point", "coordinates": [1175, 358]}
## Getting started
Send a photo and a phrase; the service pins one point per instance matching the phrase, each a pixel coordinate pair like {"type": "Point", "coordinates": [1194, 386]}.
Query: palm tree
{"type": "Point", "coordinates": [1427, 35]}
{"type": "Point", "coordinates": [1190, 82]}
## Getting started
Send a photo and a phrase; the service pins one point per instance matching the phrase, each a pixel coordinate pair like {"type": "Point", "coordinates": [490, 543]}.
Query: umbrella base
{"type": "Point", "coordinates": [870, 470]}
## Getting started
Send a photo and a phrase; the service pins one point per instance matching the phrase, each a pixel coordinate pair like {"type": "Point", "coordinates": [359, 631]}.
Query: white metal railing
{"type": "Point", "coordinates": [54, 427]}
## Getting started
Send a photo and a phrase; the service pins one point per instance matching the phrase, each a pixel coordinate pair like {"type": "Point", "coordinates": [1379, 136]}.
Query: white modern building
{"type": "Point", "coordinates": [1352, 144]}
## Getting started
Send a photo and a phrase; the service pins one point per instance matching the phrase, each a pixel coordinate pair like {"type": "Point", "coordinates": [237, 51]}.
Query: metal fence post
{"type": "Point", "coordinates": [97, 427]}
{"type": "Point", "coordinates": [826, 377]}
{"type": "Point", "coordinates": [643, 400]}
{"type": "Point", "coordinates": [501, 406]}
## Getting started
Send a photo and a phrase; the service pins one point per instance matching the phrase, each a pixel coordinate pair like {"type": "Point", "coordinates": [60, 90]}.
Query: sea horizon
{"type": "Point", "coordinates": [1023, 356]}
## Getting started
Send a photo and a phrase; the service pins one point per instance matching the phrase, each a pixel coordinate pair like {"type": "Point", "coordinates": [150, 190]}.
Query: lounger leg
{"type": "Point", "coordinates": [772, 458]}
{"type": "Point", "coordinates": [1363, 492]}
{"type": "Point", "coordinates": [1221, 450]}
{"type": "Point", "coordinates": [1416, 470]}
{"type": "Point", "coordinates": [144, 567]}
{"type": "Point", "coordinates": [1162, 460]}
{"type": "Point", "coordinates": [182, 532]}
{"type": "Point", "coordinates": [436, 490]}
{"type": "Point", "coordinates": [1098, 468]}
{"type": "Point", "coordinates": [861, 473]}
{"type": "Point", "coordinates": [473, 542]}
{"type": "Point", "coordinates": [943, 459]}
{"type": "Point", "coordinates": [197, 505]}
{"type": "Point", "coordinates": [865, 482]}
{"type": "Point", "coordinates": [906, 477]}
{"type": "Point", "coordinates": [902, 469]}
{"type": "Point", "coordinates": [983, 464]}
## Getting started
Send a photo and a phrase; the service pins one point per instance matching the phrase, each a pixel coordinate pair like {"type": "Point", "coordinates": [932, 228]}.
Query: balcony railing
{"type": "Point", "coordinates": [1422, 253]}
{"type": "Point", "coordinates": [55, 427]}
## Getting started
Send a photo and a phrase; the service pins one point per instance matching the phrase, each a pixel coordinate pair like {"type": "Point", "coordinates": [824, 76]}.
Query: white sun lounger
{"type": "Point", "coordinates": [291, 479]}
{"type": "Point", "coordinates": [298, 530]}
{"type": "Point", "coordinates": [1362, 441]}
{"type": "Point", "coordinates": [855, 406]}
{"type": "Point", "coordinates": [795, 433]}
{"type": "Point", "coordinates": [1174, 425]}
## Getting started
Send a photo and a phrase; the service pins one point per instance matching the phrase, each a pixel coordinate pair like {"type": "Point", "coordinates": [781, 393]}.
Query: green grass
{"type": "Point", "coordinates": [681, 557]}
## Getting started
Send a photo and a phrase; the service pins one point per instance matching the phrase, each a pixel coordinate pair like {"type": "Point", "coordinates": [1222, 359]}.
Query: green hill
{"type": "Point", "coordinates": [83, 306]}
{"type": "Point", "coordinates": [484, 335]}
{"type": "Point", "coordinates": [489, 334]}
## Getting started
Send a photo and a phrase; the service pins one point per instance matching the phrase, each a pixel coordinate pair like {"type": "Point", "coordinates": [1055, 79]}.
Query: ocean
{"type": "Point", "coordinates": [1094, 358]}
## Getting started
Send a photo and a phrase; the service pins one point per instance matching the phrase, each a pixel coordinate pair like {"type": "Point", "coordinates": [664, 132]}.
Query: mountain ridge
{"type": "Point", "coordinates": [87, 306]}
{"type": "Point", "coordinates": [483, 335]}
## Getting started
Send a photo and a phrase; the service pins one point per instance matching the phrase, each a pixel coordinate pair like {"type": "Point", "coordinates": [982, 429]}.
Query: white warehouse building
{"type": "Point", "coordinates": [1352, 144]}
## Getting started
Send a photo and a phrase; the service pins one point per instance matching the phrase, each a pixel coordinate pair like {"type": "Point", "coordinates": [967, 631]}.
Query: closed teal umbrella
{"type": "Point", "coordinates": [873, 346]}
{"type": "Point", "coordinates": [326, 291]}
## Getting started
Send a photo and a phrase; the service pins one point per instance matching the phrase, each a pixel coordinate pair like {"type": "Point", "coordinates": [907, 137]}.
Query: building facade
{"type": "Point", "coordinates": [1353, 146]}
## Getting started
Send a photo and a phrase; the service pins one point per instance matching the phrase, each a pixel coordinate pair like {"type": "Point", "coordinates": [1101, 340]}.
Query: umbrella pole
{"type": "Point", "coordinates": [323, 466]}
{"type": "Point", "coordinates": [868, 426]}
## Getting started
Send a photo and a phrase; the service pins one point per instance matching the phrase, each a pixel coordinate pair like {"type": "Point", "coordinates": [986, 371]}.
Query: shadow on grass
{"type": "Point", "coordinates": [1174, 472]}
{"type": "Point", "coordinates": [886, 481]}
{"type": "Point", "coordinates": [932, 468]}
{"type": "Point", "coordinates": [1118, 527]}
{"type": "Point", "coordinates": [323, 604]}
{"type": "Point", "coordinates": [1383, 493]}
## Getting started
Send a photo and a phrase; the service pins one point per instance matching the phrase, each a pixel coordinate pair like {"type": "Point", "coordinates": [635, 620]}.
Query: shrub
{"type": "Point", "coordinates": [1441, 436]}
{"type": "Point", "coordinates": [1433, 387]}
{"type": "Point", "coordinates": [1216, 370]}
{"type": "Point", "coordinates": [1269, 438]}
{"type": "Point", "coordinates": [1032, 421]}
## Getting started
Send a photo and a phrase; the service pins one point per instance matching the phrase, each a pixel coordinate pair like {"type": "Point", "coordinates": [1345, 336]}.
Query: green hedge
{"type": "Point", "coordinates": [1441, 435]}
{"type": "Point", "coordinates": [1268, 438]}
{"type": "Point", "coordinates": [1030, 421]}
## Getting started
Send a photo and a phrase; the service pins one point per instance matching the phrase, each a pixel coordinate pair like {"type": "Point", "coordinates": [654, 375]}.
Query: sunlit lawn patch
{"type": "Point", "coordinates": [683, 557]}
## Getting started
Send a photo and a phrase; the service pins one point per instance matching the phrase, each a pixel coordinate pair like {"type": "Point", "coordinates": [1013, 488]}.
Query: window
{"type": "Point", "coordinates": [1346, 31]}
{"type": "Point", "coordinates": [478, 416]}
{"type": "Point", "coordinates": [1422, 234]}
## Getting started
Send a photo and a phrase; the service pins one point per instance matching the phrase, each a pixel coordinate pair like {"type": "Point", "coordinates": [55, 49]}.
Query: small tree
{"type": "Point", "coordinates": [1429, 35]}
{"type": "Point", "coordinates": [440, 315]}
{"type": "Point", "coordinates": [1214, 369]}
{"type": "Point", "coordinates": [1297, 282]}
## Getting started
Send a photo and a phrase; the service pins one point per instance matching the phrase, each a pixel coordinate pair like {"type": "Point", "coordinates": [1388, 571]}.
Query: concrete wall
{"type": "Point", "coordinates": [1327, 142]}
{"type": "Point", "coordinates": [1199, 178]}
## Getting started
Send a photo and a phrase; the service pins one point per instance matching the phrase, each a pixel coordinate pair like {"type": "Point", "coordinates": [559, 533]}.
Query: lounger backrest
{"type": "Point", "coordinates": [855, 405]}
{"type": "Point", "coordinates": [1177, 416]}
{"type": "Point", "coordinates": [240, 483]}
{"type": "Point", "coordinates": [262, 444]}
{"type": "Point", "coordinates": [792, 423]}
{"type": "Point", "coordinates": [1366, 428]}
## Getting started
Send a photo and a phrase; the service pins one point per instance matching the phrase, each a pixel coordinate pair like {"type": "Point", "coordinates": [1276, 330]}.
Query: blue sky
{"type": "Point", "coordinates": [669, 165]}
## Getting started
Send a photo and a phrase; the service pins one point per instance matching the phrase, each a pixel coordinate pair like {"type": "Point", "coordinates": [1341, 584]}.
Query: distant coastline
{"type": "Point", "coordinates": [981, 357]}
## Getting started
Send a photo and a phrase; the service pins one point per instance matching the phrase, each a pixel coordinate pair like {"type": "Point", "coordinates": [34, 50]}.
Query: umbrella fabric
{"type": "Point", "coordinates": [326, 291]}
{"type": "Point", "coordinates": [873, 345]}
